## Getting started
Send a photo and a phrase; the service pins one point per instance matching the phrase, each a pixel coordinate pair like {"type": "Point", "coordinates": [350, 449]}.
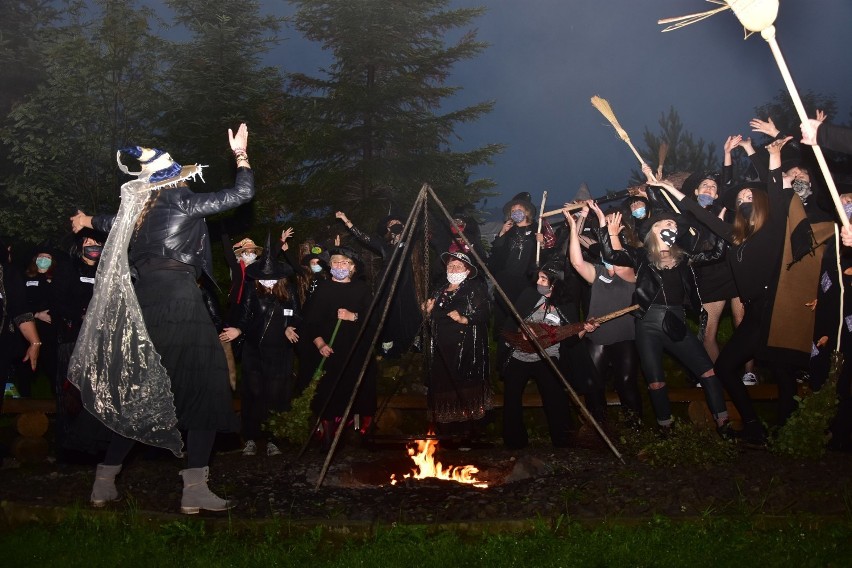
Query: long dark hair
{"type": "Point", "coordinates": [745, 228]}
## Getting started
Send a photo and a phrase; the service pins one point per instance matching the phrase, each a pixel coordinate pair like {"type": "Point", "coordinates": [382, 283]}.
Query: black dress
{"type": "Point", "coordinates": [320, 317]}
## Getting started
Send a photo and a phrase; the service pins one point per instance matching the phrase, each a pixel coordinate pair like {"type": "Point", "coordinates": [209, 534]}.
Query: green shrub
{"type": "Point", "coordinates": [686, 444]}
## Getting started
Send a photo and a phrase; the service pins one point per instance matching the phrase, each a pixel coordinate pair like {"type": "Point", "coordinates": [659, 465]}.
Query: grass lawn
{"type": "Point", "coordinates": [125, 540]}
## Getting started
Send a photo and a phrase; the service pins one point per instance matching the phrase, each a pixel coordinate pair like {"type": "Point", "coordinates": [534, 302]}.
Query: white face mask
{"type": "Point", "coordinates": [248, 257]}
{"type": "Point", "coordinates": [268, 283]}
{"type": "Point", "coordinates": [456, 277]}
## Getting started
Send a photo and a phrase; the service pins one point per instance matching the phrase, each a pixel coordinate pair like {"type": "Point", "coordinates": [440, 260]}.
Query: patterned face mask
{"type": "Point", "coordinates": [518, 216]}
{"type": "Point", "coordinates": [668, 236]}
{"type": "Point", "coordinates": [802, 188]}
{"type": "Point", "coordinates": [248, 257]}
{"type": "Point", "coordinates": [848, 210]}
{"type": "Point", "coordinates": [456, 277]}
{"type": "Point", "coordinates": [268, 284]}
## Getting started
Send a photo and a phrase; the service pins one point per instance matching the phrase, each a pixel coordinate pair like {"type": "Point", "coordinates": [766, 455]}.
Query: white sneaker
{"type": "Point", "coordinates": [749, 379]}
{"type": "Point", "coordinates": [250, 448]}
{"type": "Point", "coordinates": [272, 450]}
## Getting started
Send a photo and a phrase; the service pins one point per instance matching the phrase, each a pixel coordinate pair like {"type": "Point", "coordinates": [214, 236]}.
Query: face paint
{"type": "Point", "coordinates": [639, 213]}
{"type": "Point", "coordinates": [340, 273]}
{"type": "Point", "coordinates": [43, 263]}
{"type": "Point", "coordinates": [746, 209]}
{"type": "Point", "coordinates": [668, 236]}
{"type": "Point", "coordinates": [456, 278]}
{"type": "Point", "coordinates": [268, 284]}
{"type": "Point", "coordinates": [705, 200]}
{"type": "Point", "coordinates": [518, 216]}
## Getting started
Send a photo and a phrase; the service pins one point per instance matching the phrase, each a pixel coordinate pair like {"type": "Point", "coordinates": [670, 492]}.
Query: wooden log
{"type": "Point", "coordinates": [30, 450]}
{"type": "Point", "coordinates": [32, 424]}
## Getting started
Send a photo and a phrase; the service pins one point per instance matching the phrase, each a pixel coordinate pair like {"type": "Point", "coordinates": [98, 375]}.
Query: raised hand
{"type": "Point", "coordinates": [766, 127]}
{"type": "Point", "coordinates": [238, 141]}
{"type": "Point", "coordinates": [732, 142]}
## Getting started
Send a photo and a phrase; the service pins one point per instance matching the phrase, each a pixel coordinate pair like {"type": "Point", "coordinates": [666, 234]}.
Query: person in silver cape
{"type": "Point", "coordinates": [148, 361]}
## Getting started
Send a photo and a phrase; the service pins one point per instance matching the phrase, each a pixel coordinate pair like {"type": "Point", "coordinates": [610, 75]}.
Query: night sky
{"type": "Point", "coordinates": [549, 57]}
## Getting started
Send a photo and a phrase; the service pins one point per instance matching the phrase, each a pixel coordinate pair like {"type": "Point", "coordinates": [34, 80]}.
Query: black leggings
{"type": "Point", "coordinates": [651, 341]}
{"type": "Point", "coordinates": [199, 446]}
{"type": "Point", "coordinates": [621, 357]}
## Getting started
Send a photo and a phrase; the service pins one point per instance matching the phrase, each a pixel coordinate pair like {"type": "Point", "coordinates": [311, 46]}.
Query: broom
{"type": "Point", "coordinates": [540, 220]}
{"type": "Point", "coordinates": [603, 107]}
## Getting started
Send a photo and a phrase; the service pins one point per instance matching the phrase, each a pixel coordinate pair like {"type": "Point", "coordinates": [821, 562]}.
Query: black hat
{"type": "Point", "coordinates": [525, 199]}
{"type": "Point", "coordinates": [553, 270]}
{"type": "Point", "coordinates": [348, 253]}
{"type": "Point", "coordinates": [691, 183]}
{"type": "Point", "coordinates": [317, 253]}
{"type": "Point", "coordinates": [382, 227]}
{"type": "Point", "coordinates": [267, 268]}
{"type": "Point", "coordinates": [728, 199]}
{"type": "Point", "coordinates": [445, 256]}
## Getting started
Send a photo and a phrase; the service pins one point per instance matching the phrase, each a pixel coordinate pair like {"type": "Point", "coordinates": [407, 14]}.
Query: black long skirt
{"type": "Point", "coordinates": [183, 333]}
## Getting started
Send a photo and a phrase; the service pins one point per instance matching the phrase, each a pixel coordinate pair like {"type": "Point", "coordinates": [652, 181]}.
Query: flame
{"type": "Point", "coordinates": [422, 452]}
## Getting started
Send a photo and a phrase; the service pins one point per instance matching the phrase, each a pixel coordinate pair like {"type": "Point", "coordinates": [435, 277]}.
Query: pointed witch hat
{"type": "Point", "coordinates": [267, 268]}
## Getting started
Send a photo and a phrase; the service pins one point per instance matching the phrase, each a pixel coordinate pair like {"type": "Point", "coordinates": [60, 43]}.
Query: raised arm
{"type": "Point", "coordinates": [575, 255]}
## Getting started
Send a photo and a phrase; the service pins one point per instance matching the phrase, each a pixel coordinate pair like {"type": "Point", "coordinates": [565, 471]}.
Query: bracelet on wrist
{"type": "Point", "coordinates": [36, 343]}
{"type": "Point", "coordinates": [237, 151]}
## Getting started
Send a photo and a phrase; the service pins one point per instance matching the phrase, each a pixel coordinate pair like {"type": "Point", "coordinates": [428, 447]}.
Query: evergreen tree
{"type": "Point", "coordinates": [685, 152]}
{"type": "Point", "coordinates": [216, 81]}
{"type": "Point", "coordinates": [99, 88]}
{"type": "Point", "coordinates": [375, 125]}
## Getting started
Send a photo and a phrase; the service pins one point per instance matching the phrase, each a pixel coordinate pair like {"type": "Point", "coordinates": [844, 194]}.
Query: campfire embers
{"type": "Point", "coordinates": [422, 452]}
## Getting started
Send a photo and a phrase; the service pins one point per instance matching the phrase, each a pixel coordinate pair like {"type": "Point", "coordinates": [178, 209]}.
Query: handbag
{"type": "Point", "coordinates": [673, 326]}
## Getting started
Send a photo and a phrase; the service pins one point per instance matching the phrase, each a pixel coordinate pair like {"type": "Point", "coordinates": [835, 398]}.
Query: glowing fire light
{"type": "Point", "coordinates": [422, 452]}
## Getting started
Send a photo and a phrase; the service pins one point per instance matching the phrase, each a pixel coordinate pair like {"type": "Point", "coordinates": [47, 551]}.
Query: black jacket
{"type": "Point", "coordinates": [648, 278]}
{"type": "Point", "coordinates": [174, 226]}
{"type": "Point", "coordinates": [257, 312]}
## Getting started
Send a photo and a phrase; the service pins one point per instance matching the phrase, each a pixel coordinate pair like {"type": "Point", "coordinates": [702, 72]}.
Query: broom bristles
{"type": "Point", "coordinates": [603, 107]}
{"type": "Point", "coordinates": [661, 158]}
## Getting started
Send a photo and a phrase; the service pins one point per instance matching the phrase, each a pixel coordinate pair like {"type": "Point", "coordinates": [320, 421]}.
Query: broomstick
{"type": "Point", "coordinates": [603, 107]}
{"type": "Point", "coordinates": [540, 220]}
{"type": "Point", "coordinates": [548, 335]}
{"type": "Point", "coordinates": [318, 373]}
{"type": "Point", "coordinates": [661, 158]}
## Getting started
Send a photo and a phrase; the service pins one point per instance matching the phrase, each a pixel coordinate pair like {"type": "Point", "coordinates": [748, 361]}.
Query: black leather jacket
{"type": "Point", "coordinates": [257, 311]}
{"type": "Point", "coordinates": [174, 226]}
{"type": "Point", "coordinates": [648, 278]}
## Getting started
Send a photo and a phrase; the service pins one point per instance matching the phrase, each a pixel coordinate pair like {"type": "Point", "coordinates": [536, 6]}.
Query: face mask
{"type": "Point", "coordinates": [745, 209]}
{"type": "Point", "coordinates": [668, 236]}
{"type": "Point", "coordinates": [608, 266]}
{"type": "Point", "coordinates": [396, 229]}
{"type": "Point", "coordinates": [316, 268]}
{"type": "Point", "coordinates": [705, 200]}
{"type": "Point", "coordinates": [248, 257]}
{"type": "Point", "coordinates": [802, 188]}
{"type": "Point", "coordinates": [848, 210]}
{"type": "Point", "coordinates": [43, 263]}
{"type": "Point", "coordinates": [543, 290]}
{"type": "Point", "coordinates": [456, 277]}
{"type": "Point", "coordinates": [340, 273]}
{"type": "Point", "coordinates": [93, 252]}
{"type": "Point", "coordinates": [268, 284]}
{"type": "Point", "coordinates": [518, 216]}
{"type": "Point", "coordinates": [638, 213]}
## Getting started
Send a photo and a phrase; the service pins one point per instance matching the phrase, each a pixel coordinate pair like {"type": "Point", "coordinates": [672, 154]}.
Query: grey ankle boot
{"type": "Point", "coordinates": [196, 494]}
{"type": "Point", "coordinates": [104, 491]}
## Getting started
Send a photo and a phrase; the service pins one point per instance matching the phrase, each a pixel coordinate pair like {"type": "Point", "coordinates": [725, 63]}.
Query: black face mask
{"type": "Point", "coordinates": [93, 252]}
{"type": "Point", "coordinates": [745, 210]}
{"type": "Point", "coordinates": [396, 229]}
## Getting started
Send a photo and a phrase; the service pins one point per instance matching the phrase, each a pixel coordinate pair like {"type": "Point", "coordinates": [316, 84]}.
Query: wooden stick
{"type": "Point", "coordinates": [572, 207]}
{"type": "Point", "coordinates": [540, 221]}
{"type": "Point", "coordinates": [769, 35]}
{"type": "Point", "coordinates": [615, 314]}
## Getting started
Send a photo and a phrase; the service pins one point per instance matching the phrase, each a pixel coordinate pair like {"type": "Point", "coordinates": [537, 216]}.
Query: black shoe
{"type": "Point", "coordinates": [753, 434]}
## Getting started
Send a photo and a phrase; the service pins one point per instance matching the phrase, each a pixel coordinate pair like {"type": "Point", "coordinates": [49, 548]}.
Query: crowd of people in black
{"type": "Point", "coordinates": [129, 327]}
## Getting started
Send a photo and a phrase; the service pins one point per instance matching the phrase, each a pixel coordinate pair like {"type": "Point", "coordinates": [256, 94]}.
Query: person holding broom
{"type": "Point", "coordinates": [345, 297]}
